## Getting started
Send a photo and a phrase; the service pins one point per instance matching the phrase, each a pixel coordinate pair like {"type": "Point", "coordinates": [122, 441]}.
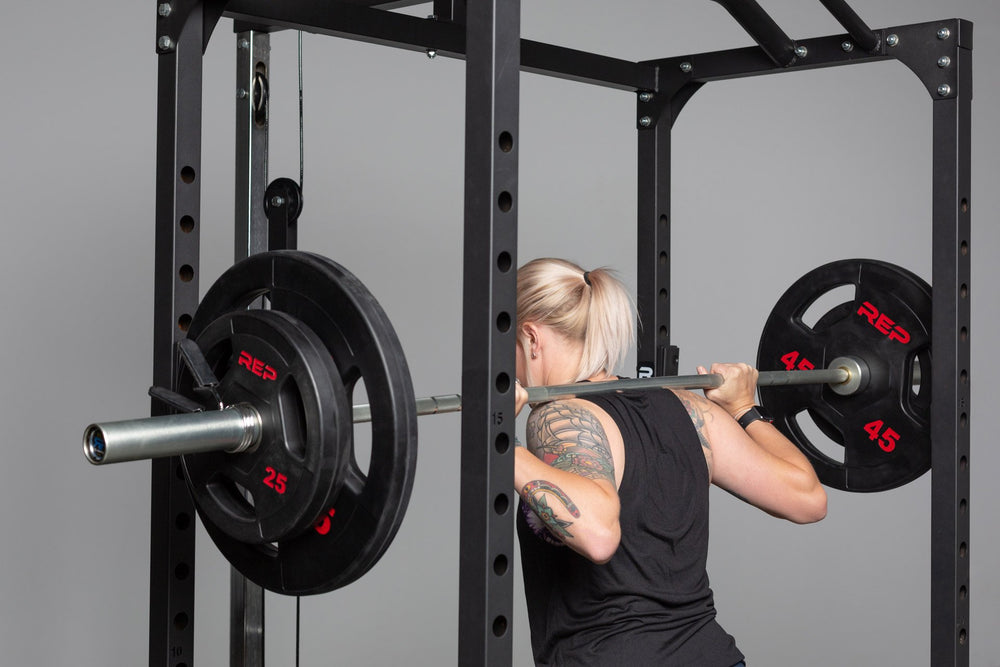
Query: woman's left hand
{"type": "Point", "coordinates": [520, 398]}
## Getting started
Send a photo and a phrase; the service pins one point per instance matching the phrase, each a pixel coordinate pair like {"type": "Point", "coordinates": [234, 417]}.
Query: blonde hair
{"type": "Point", "coordinates": [593, 308]}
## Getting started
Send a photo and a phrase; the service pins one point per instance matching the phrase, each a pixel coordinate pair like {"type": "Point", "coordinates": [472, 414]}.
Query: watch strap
{"type": "Point", "coordinates": [752, 415]}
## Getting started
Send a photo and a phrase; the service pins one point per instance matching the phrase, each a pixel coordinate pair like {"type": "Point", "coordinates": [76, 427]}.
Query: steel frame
{"type": "Point", "coordinates": [487, 34]}
{"type": "Point", "coordinates": [253, 62]}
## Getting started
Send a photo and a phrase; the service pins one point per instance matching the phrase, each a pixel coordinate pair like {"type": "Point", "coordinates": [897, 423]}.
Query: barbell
{"type": "Point", "coordinates": [274, 474]}
{"type": "Point", "coordinates": [240, 427]}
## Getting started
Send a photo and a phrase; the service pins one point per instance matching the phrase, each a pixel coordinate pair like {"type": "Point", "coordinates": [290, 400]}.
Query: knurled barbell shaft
{"type": "Point", "coordinates": [238, 428]}
{"type": "Point", "coordinates": [433, 405]}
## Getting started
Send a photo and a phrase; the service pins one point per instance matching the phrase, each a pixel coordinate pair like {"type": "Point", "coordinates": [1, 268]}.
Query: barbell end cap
{"type": "Point", "coordinates": [857, 375]}
{"type": "Point", "coordinates": [94, 444]}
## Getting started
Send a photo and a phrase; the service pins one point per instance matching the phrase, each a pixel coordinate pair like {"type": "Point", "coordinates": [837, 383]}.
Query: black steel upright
{"type": "Point", "coordinates": [655, 115]}
{"type": "Point", "coordinates": [253, 62]}
{"type": "Point", "coordinates": [489, 313]}
{"type": "Point", "coordinates": [180, 37]}
{"type": "Point", "coordinates": [653, 258]}
{"type": "Point", "coordinates": [952, 246]}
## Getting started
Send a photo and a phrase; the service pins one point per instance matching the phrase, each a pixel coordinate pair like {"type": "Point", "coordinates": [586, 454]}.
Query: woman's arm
{"type": "Point", "coordinates": [566, 475]}
{"type": "Point", "coordinates": [759, 464]}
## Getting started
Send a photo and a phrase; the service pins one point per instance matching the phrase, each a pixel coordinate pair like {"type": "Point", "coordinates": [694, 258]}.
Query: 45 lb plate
{"type": "Point", "coordinates": [877, 438]}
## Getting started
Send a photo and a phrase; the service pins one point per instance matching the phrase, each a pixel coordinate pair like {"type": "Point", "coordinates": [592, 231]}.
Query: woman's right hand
{"type": "Point", "coordinates": [739, 386]}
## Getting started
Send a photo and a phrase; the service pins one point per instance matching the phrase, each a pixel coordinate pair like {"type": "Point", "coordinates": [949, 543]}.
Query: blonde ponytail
{"type": "Point", "coordinates": [593, 308]}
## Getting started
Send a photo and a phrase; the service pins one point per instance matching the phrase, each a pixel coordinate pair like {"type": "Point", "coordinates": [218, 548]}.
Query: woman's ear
{"type": "Point", "coordinates": [529, 332]}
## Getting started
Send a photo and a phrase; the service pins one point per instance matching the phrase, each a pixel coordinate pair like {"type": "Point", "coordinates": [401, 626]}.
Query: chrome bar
{"type": "Point", "coordinates": [234, 429]}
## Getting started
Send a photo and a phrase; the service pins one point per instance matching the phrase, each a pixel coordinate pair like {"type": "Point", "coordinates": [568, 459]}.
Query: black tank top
{"type": "Point", "coordinates": [651, 603]}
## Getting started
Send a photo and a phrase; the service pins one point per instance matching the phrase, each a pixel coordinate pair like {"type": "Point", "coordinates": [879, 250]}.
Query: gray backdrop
{"type": "Point", "coordinates": [773, 176]}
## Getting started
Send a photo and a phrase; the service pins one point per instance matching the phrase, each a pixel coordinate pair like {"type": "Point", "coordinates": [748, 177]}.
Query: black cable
{"type": "Point", "coordinates": [301, 123]}
{"type": "Point", "coordinates": [298, 615]}
{"type": "Point", "coordinates": [298, 600]}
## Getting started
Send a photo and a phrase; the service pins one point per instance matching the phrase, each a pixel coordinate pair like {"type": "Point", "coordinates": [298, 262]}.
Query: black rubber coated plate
{"type": "Point", "coordinates": [879, 437]}
{"type": "Point", "coordinates": [354, 529]}
{"type": "Point", "coordinates": [274, 491]}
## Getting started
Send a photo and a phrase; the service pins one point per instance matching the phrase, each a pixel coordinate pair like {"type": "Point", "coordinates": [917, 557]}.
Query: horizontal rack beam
{"type": "Point", "coordinates": [376, 26]}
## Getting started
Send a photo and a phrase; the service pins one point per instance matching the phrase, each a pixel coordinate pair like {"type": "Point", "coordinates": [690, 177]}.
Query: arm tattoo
{"type": "Point", "coordinates": [534, 495]}
{"type": "Point", "coordinates": [699, 417]}
{"type": "Point", "coordinates": [571, 439]}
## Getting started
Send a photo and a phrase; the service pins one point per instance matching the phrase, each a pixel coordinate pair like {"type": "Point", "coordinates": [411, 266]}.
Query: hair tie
{"type": "Point", "coordinates": [586, 277]}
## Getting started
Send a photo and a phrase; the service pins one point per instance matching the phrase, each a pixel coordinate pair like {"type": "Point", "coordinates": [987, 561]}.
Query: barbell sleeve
{"type": "Point", "coordinates": [234, 429]}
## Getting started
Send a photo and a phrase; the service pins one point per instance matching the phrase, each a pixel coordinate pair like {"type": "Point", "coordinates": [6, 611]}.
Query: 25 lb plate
{"type": "Point", "coordinates": [351, 531]}
{"type": "Point", "coordinates": [274, 491]}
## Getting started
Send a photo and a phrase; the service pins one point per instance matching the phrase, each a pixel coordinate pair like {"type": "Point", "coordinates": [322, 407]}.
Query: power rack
{"type": "Point", "coordinates": [486, 33]}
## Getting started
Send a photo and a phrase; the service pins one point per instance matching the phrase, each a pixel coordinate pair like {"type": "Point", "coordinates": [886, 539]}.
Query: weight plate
{"type": "Point", "coordinates": [877, 438]}
{"type": "Point", "coordinates": [281, 368]}
{"type": "Point", "coordinates": [354, 529]}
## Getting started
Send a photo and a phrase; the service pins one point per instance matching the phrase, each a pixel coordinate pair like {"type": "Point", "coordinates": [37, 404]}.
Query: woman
{"type": "Point", "coordinates": [613, 526]}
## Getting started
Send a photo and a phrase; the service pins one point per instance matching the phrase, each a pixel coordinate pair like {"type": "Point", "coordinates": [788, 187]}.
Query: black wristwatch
{"type": "Point", "coordinates": [752, 415]}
